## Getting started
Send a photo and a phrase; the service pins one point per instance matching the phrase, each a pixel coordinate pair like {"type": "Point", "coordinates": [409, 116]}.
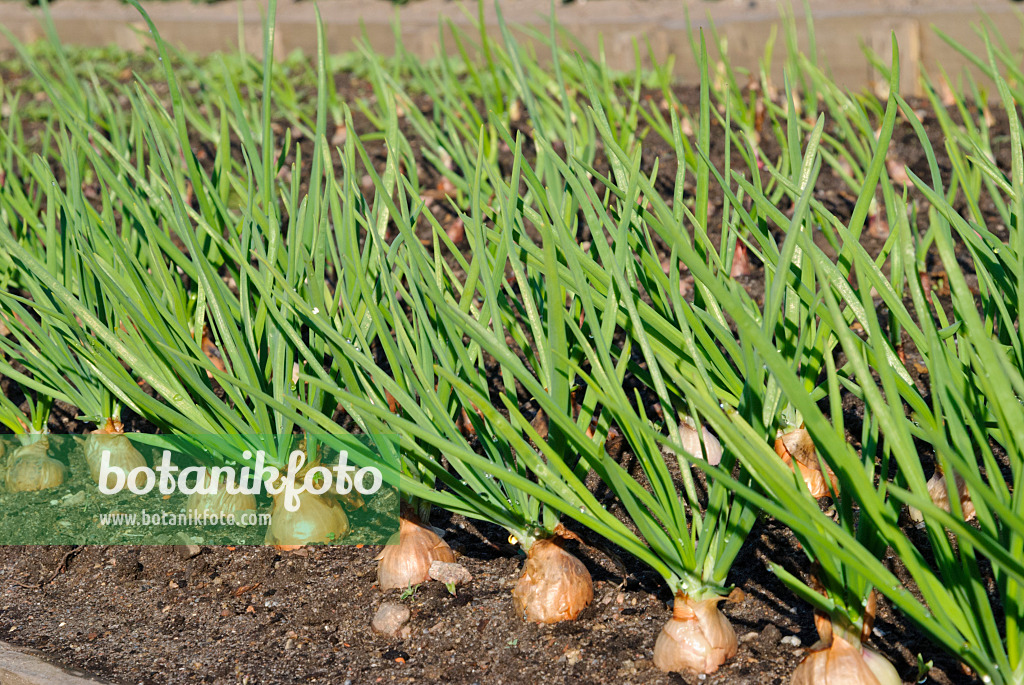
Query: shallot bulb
{"type": "Point", "coordinates": [840, 657]}
{"type": "Point", "coordinates": [123, 454]}
{"type": "Point", "coordinates": [797, 447]}
{"type": "Point", "coordinates": [408, 562]}
{"type": "Point", "coordinates": [220, 504]}
{"type": "Point", "coordinates": [554, 586]}
{"type": "Point", "coordinates": [741, 265]}
{"type": "Point", "coordinates": [698, 638]}
{"type": "Point", "coordinates": [691, 441]}
{"type": "Point", "coordinates": [34, 447]}
{"type": "Point", "coordinates": [940, 496]}
{"type": "Point", "coordinates": [30, 468]}
{"type": "Point", "coordinates": [841, 663]}
{"type": "Point", "coordinates": [319, 519]}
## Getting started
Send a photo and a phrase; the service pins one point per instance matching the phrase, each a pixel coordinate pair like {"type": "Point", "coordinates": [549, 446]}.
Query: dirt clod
{"type": "Point", "coordinates": [391, 618]}
{"type": "Point", "coordinates": [449, 573]}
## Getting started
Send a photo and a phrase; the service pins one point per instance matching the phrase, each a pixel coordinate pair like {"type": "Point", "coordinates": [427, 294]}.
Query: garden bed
{"type": "Point", "coordinates": [256, 615]}
{"type": "Point", "coordinates": [182, 613]}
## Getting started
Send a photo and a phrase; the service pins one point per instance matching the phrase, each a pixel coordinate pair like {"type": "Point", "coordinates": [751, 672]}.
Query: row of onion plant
{"type": "Point", "coordinates": [407, 350]}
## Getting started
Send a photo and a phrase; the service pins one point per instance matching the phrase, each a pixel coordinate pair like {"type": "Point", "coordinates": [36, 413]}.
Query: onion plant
{"type": "Point", "coordinates": [526, 519]}
{"type": "Point", "coordinates": [394, 386]}
{"type": "Point", "coordinates": [28, 463]}
{"type": "Point", "coordinates": [150, 327]}
{"type": "Point", "coordinates": [971, 419]}
{"type": "Point", "coordinates": [419, 379]}
{"type": "Point", "coordinates": [524, 323]}
{"type": "Point", "coordinates": [789, 323]}
{"type": "Point", "coordinates": [694, 536]}
{"type": "Point", "coordinates": [788, 316]}
{"type": "Point", "coordinates": [41, 343]}
{"type": "Point", "coordinates": [955, 611]}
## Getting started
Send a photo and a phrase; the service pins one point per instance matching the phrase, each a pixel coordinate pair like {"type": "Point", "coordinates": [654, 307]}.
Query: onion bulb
{"type": "Point", "coordinates": [741, 265]}
{"type": "Point", "coordinates": [30, 468]}
{"type": "Point", "coordinates": [123, 454]}
{"type": "Point", "coordinates": [841, 663]}
{"type": "Point", "coordinates": [554, 586]}
{"type": "Point", "coordinates": [691, 441]}
{"type": "Point", "coordinates": [220, 504]}
{"type": "Point", "coordinates": [38, 447]}
{"type": "Point", "coordinates": [408, 563]}
{"type": "Point", "coordinates": [940, 496]}
{"type": "Point", "coordinates": [319, 519]}
{"type": "Point", "coordinates": [797, 447]}
{"type": "Point", "coordinates": [698, 638]}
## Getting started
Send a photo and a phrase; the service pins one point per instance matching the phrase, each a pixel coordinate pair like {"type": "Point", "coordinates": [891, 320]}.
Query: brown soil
{"type": "Point", "coordinates": [254, 615]}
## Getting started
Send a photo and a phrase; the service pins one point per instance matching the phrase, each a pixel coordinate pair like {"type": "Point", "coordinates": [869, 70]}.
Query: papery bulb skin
{"type": "Point", "coordinates": [843, 664]}
{"type": "Point", "coordinates": [30, 469]}
{"type": "Point", "coordinates": [741, 265]}
{"type": "Point", "coordinates": [220, 504]}
{"type": "Point", "coordinates": [554, 585]}
{"type": "Point", "coordinates": [318, 520]}
{"type": "Point", "coordinates": [690, 439]}
{"type": "Point", "coordinates": [122, 453]}
{"type": "Point", "coordinates": [797, 447]}
{"type": "Point", "coordinates": [408, 563]}
{"type": "Point", "coordinates": [885, 673]}
{"type": "Point", "coordinates": [940, 496]}
{"type": "Point", "coordinates": [878, 227]}
{"type": "Point", "coordinates": [36, 449]}
{"type": "Point", "coordinates": [697, 639]}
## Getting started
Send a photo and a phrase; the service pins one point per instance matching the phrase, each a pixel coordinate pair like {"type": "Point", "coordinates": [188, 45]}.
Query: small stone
{"type": "Point", "coordinates": [767, 640]}
{"type": "Point", "coordinates": [187, 551]}
{"type": "Point", "coordinates": [573, 656]}
{"type": "Point", "coordinates": [449, 573]}
{"type": "Point", "coordinates": [186, 548]}
{"type": "Point", "coordinates": [391, 618]}
{"type": "Point", "coordinates": [747, 637]}
{"type": "Point", "coordinates": [791, 640]}
{"type": "Point", "coordinates": [74, 500]}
